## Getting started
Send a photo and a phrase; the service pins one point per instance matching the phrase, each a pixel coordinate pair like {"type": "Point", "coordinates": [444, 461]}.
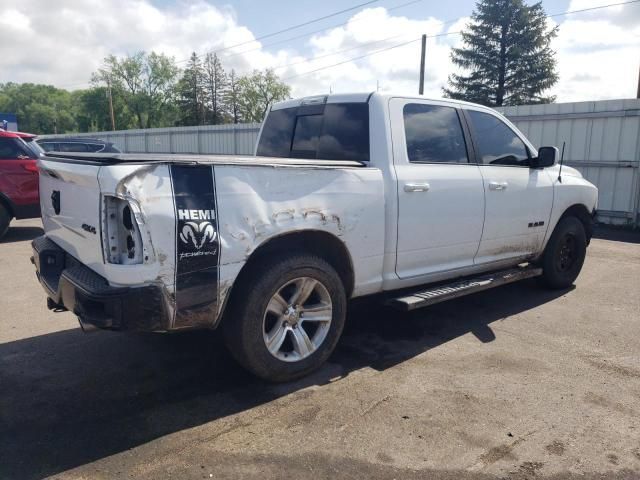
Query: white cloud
{"type": "Point", "coordinates": [597, 52]}
{"type": "Point", "coordinates": [62, 42]}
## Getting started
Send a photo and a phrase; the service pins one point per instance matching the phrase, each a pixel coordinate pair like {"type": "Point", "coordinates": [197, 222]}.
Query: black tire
{"type": "Point", "coordinates": [246, 329]}
{"type": "Point", "coordinates": [5, 219]}
{"type": "Point", "coordinates": [564, 255]}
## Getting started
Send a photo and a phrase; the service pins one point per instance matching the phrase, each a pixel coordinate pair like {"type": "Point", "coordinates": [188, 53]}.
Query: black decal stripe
{"type": "Point", "coordinates": [197, 245]}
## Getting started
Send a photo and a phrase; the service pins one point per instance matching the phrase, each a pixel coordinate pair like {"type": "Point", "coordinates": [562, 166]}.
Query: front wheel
{"type": "Point", "coordinates": [564, 256]}
{"type": "Point", "coordinates": [286, 317]}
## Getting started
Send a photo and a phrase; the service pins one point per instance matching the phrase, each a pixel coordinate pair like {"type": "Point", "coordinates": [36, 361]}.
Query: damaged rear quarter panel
{"type": "Point", "coordinates": [257, 203]}
{"type": "Point", "coordinates": [148, 190]}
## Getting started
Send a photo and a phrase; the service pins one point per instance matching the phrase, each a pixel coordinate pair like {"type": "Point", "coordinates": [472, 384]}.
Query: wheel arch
{"type": "Point", "coordinates": [318, 242]}
{"type": "Point", "coordinates": [8, 204]}
{"type": "Point", "coordinates": [581, 212]}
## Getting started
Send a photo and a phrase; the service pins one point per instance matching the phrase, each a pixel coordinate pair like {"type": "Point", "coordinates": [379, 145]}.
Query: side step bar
{"type": "Point", "coordinates": [440, 293]}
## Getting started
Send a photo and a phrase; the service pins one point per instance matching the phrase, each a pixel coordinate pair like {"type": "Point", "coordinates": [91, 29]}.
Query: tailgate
{"type": "Point", "coordinates": [70, 205]}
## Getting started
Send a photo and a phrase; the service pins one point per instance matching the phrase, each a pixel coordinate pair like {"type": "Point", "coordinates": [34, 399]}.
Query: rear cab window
{"type": "Point", "coordinates": [332, 131]}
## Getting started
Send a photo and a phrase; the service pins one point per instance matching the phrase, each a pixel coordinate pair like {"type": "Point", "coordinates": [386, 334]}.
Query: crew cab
{"type": "Point", "coordinates": [408, 200]}
{"type": "Point", "coordinates": [18, 178]}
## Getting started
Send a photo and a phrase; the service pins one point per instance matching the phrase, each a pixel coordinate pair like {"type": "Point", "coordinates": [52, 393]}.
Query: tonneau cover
{"type": "Point", "coordinates": [119, 158]}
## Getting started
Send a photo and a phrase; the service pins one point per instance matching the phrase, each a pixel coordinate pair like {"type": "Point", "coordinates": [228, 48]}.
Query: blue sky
{"type": "Point", "coordinates": [375, 45]}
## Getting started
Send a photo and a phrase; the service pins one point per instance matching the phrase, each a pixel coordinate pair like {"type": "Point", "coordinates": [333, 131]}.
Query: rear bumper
{"type": "Point", "coordinates": [75, 287]}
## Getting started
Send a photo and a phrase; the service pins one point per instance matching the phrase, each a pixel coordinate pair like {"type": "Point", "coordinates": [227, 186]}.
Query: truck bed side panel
{"type": "Point", "coordinates": [256, 204]}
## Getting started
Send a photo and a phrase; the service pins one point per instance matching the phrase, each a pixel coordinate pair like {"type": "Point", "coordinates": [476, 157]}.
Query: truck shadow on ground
{"type": "Point", "coordinates": [21, 233]}
{"type": "Point", "coordinates": [69, 398]}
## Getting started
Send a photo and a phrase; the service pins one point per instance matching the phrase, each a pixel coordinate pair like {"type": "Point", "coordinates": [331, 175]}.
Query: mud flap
{"type": "Point", "coordinates": [197, 245]}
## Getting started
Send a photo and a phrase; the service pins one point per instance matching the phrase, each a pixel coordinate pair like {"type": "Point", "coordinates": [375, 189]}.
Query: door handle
{"type": "Point", "coordinates": [498, 185]}
{"type": "Point", "coordinates": [416, 187]}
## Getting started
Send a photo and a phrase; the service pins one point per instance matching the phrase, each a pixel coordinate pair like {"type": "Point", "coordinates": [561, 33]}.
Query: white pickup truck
{"type": "Point", "coordinates": [415, 200]}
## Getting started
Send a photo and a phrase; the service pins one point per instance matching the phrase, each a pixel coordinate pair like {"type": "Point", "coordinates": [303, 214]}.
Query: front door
{"type": "Point", "coordinates": [518, 198]}
{"type": "Point", "coordinates": [440, 193]}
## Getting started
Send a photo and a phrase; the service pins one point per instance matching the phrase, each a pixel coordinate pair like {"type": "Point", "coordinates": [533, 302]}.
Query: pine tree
{"type": "Point", "coordinates": [217, 84]}
{"type": "Point", "coordinates": [191, 93]}
{"type": "Point", "coordinates": [506, 54]}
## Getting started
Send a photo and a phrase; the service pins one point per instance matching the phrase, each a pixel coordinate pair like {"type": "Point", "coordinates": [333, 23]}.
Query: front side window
{"type": "Point", "coordinates": [335, 131]}
{"type": "Point", "coordinates": [434, 134]}
{"type": "Point", "coordinates": [496, 143]}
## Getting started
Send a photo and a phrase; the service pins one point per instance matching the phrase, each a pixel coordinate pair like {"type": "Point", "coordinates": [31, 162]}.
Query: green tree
{"type": "Point", "coordinates": [191, 93]}
{"type": "Point", "coordinates": [233, 98]}
{"type": "Point", "coordinates": [257, 92]}
{"type": "Point", "coordinates": [217, 84]}
{"type": "Point", "coordinates": [92, 110]}
{"type": "Point", "coordinates": [148, 83]}
{"type": "Point", "coordinates": [506, 55]}
{"type": "Point", "coordinates": [40, 109]}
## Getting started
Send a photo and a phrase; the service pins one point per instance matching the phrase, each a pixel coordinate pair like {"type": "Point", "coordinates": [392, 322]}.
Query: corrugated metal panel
{"type": "Point", "coordinates": [208, 139]}
{"type": "Point", "coordinates": [602, 141]}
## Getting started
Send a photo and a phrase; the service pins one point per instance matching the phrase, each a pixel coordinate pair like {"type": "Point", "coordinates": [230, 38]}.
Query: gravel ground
{"type": "Point", "coordinates": [516, 382]}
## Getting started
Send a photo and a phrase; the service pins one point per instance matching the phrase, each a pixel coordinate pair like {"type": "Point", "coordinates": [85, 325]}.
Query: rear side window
{"type": "Point", "coordinates": [434, 134]}
{"type": "Point", "coordinates": [73, 147]}
{"type": "Point", "coordinates": [9, 149]}
{"type": "Point", "coordinates": [335, 131]}
{"type": "Point", "coordinates": [496, 143]}
{"type": "Point", "coordinates": [48, 146]}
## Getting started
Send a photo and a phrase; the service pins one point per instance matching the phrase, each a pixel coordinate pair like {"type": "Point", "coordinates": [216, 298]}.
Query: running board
{"type": "Point", "coordinates": [440, 293]}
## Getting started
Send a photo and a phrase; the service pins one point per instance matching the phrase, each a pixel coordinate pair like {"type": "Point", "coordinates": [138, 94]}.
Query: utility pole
{"type": "Point", "coordinates": [113, 119]}
{"type": "Point", "coordinates": [638, 94]}
{"type": "Point", "coordinates": [422, 54]}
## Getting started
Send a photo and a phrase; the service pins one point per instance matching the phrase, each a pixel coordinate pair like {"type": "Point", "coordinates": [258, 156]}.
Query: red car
{"type": "Point", "coordinates": [18, 178]}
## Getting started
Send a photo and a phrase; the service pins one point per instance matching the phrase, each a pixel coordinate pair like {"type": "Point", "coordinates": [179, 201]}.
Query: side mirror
{"type": "Point", "coordinates": [547, 157]}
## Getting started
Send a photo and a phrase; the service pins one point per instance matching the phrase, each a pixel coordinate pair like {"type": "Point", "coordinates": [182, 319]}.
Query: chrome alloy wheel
{"type": "Point", "coordinates": [297, 319]}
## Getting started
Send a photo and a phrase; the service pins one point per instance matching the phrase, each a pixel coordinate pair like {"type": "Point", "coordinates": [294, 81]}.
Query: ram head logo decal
{"type": "Point", "coordinates": [198, 234]}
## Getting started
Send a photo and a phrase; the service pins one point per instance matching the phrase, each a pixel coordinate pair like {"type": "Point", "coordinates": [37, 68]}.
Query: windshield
{"type": "Point", "coordinates": [32, 146]}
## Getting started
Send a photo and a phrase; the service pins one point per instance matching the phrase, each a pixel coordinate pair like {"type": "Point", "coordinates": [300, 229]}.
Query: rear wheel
{"type": "Point", "coordinates": [564, 256]}
{"type": "Point", "coordinates": [286, 318]}
{"type": "Point", "coordinates": [5, 219]}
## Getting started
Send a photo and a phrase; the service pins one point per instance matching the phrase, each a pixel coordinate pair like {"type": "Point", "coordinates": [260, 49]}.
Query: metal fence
{"type": "Point", "coordinates": [602, 141]}
{"type": "Point", "coordinates": [239, 139]}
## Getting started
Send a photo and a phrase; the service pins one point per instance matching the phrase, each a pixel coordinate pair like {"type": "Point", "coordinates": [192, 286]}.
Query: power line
{"type": "Point", "coordinates": [360, 46]}
{"type": "Point", "coordinates": [293, 27]}
{"type": "Point", "coordinates": [324, 29]}
{"type": "Point", "coordinates": [446, 34]}
{"type": "Point", "coordinates": [369, 43]}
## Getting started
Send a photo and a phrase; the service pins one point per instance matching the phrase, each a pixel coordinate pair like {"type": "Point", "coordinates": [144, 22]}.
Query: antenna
{"type": "Point", "coordinates": [561, 162]}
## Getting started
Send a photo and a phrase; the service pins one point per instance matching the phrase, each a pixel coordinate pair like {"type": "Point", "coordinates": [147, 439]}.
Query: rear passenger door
{"type": "Point", "coordinates": [518, 198]}
{"type": "Point", "coordinates": [440, 191]}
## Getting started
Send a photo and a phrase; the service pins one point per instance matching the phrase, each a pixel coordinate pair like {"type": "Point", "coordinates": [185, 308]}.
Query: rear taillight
{"type": "Point", "coordinates": [30, 167]}
{"type": "Point", "coordinates": [122, 241]}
